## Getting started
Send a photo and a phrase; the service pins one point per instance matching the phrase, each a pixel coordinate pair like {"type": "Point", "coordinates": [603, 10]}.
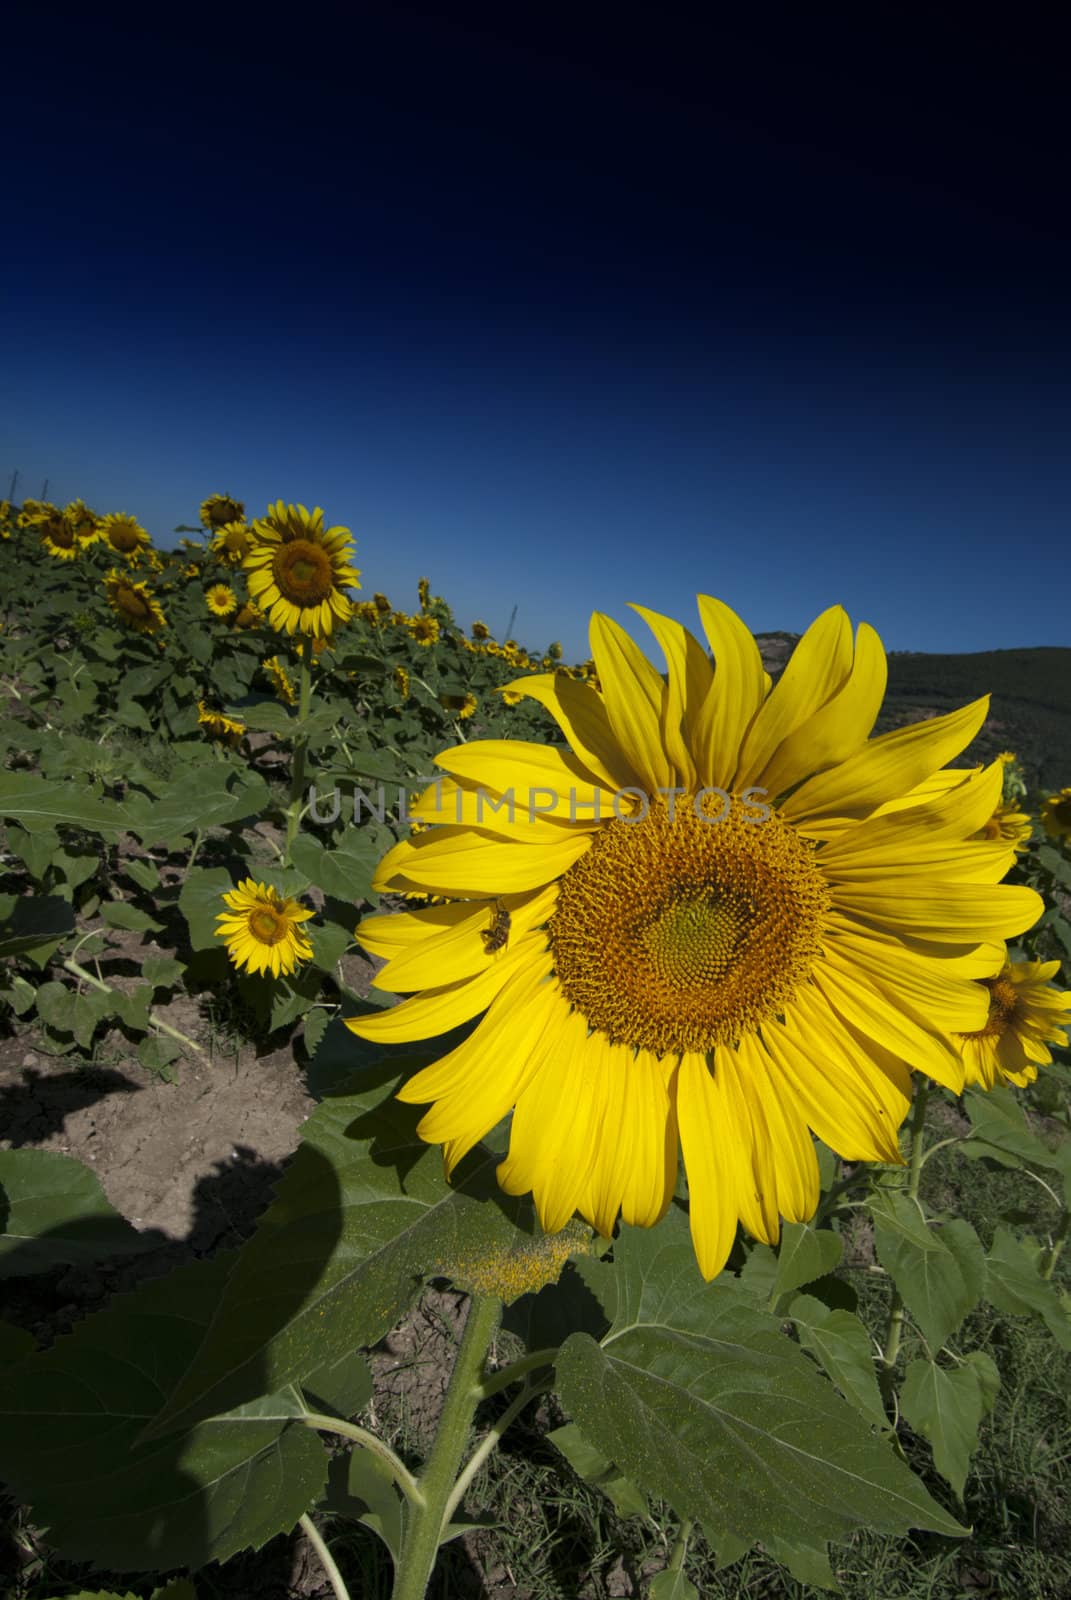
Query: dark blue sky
{"type": "Point", "coordinates": [562, 313]}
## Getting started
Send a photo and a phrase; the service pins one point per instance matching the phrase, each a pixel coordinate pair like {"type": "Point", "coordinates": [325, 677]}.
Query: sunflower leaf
{"type": "Point", "coordinates": [53, 1211]}
{"type": "Point", "coordinates": [947, 1408]}
{"type": "Point", "coordinates": [27, 923]}
{"type": "Point", "coordinates": [1014, 1284]}
{"type": "Point", "coordinates": [1001, 1131]}
{"type": "Point", "coordinates": [804, 1256]}
{"type": "Point", "coordinates": [71, 1418]}
{"type": "Point", "coordinates": [841, 1345]}
{"type": "Point", "coordinates": [939, 1273]}
{"type": "Point", "coordinates": [361, 1218]}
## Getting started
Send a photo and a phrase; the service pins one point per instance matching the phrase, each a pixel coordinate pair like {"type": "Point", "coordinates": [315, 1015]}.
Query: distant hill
{"type": "Point", "coordinates": [1030, 710]}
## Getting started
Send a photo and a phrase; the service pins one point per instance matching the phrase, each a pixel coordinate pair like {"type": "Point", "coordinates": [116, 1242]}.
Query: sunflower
{"type": "Point", "coordinates": [84, 523]}
{"type": "Point", "coordinates": [1026, 1015]}
{"type": "Point", "coordinates": [1010, 824]}
{"type": "Point", "coordinates": [401, 681]}
{"type": "Point", "coordinates": [249, 616]}
{"type": "Point", "coordinates": [425, 630]}
{"type": "Point", "coordinates": [480, 630]}
{"type": "Point", "coordinates": [30, 510]}
{"type": "Point", "coordinates": [221, 600]}
{"type": "Point", "coordinates": [57, 535]}
{"type": "Point", "coordinates": [424, 592]}
{"type": "Point", "coordinates": [219, 510]}
{"type": "Point", "coordinates": [368, 612]}
{"type": "Point", "coordinates": [511, 697]}
{"type": "Point", "coordinates": [133, 602]}
{"type": "Point", "coordinates": [381, 602]}
{"type": "Point", "coordinates": [298, 570]}
{"type": "Point", "coordinates": [281, 680]}
{"type": "Point", "coordinates": [263, 930]}
{"type": "Point", "coordinates": [219, 726]}
{"type": "Point", "coordinates": [713, 936]}
{"type": "Point", "coordinates": [1056, 815]}
{"type": "Point", "coordinates": [124, 535]}
{"type": "Point", "coordinates": [233, 542]}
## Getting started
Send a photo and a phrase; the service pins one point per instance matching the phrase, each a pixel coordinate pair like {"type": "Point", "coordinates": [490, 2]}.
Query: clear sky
{"type": "Point", "coordinates": [561, 316]}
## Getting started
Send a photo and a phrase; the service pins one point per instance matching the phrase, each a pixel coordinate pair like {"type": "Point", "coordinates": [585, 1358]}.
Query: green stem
{"type": "Point", "coordinates": [1059, 1238]}
{"type": "Point", "coordinates": [106, 988]}
{"type": "Point", "coordinates": [486, 1446]}
{"type": "Point", "coordinates": [198, 836]}
{"type": "Point", "coordinates": [313, 1535]}
{"type": "Point", "coordinates": [378, 1447]}
{"type": "Point", "coordinates": [895, 1326]}
{"type": "Point", "coordinates": [680, 1548]}
{"type": "Point", "coordinates": [424, 1528]}
{"type": "Point", "coordinates": [519, 1369]}
{"type": "Point", "coordinates": [297, 777]}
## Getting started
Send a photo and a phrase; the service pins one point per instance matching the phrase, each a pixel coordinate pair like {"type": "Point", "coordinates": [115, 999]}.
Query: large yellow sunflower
{"type": "Point", "coordinates": [57, 535]}
{"type": "Point", "coordinates": [1026, 1015]}
{"type": "Point", "coordinates": [124, 535]}
{"type": "Point", "coordinates": [1056, 815]}
{"type": "Point", "coordinates": [233, 542]}
{"type": "Point", "coordinates": [700, 926]}
{"type": "Point", "coordinates": [220, 509]}
{"type": "Point", "coordinates": [134, 603]}
{"type": "Point", "coordinates": [298, 570]}
{"type": "Point", "coordinates": [221, 600]}
{"type": "Point", "coordinates": [263, 929]}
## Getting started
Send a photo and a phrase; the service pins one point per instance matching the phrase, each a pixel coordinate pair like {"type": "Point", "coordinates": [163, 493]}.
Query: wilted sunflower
{"type": "Point", "coordinates": [219, 726]}
{"type": "Point", "coordinates": [1056, 815]}
{"type": "Point", "coordinates": [133, 602]}
{"type": "Point", "coordinates": [221, 600]}
{"type": "Point", "coordinates": [219, 509]}
{"type": "Point", "coordinates": [281, 680]}
{"type": "Point", "coordinates": [298, 570]}
{"type": "Point", "coordinates": [423, 592]}
{"type": "Point", "coordinates": [124, 534]}
{"type": "Point", "coordinates": [233, 542]}
{"type": "Point", "coordinates": [745, 952]}
{"type": "Point", "coordinates": [425, 630]}
{"type": "Point", "coordinates": [1026, 1015]}
{"type": "Point", "coordinates": [263, 930]}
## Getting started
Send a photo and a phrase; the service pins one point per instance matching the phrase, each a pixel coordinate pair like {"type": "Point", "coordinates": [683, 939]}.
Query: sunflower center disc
{"type": "Point", "coordinates": [1002, 1003]}
{"type": "Point", "coordinates": [123, 538]}
{"type": "Point", "coordinates": [676, 934]}
{"type": "Point", "coordinates": [303, 572]}
{"type": "Point", "coordinates": [133, 604]}
{"type": "Point", "coordinates": [266, 926]}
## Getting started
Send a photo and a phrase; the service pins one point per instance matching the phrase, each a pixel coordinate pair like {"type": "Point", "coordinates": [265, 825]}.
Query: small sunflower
{"type": "Point", "coordinates": [298, 570]}
{"type": "Point", "coordinates": [480, 630]}
{"type": "Point", "coordinates": [734, 987]}
{"type": "Point", "coordinates": [511, 697]}
{"type": "Point", "coordinates": [368, 612]}
{"type": "Point", "coordinates": [1056, 815]}
{"type": "Point", "coordinates": [1010, 824]}
{"type": "Point", "coordinates": [133, 602]}
{"type": "Point", "coordinates": [281, 680]}
{"type": "Point", "coordinates": [124, 535]}
{"type": "Point", "coordinates": [401, 681]}
{"type": "Point", "coordinates": [263, 930]}
{"type": "Point", "coordinates": [219, 726]}
{"type": "Point", "coordinates": [381, 602]}
{"type": "Point", "coordinates": [30, 510]}
{"type": "Point", "coordinates": [250, 616]}
{"type": "Point", "coordinates": [221, 600]}
{"type": "Point", "coordinates": [57, 535]}
{"type": "Point", "coordinates": [1026, 1015]}
{"type": "Point", "coordinates": [84, 523]}
{"type": "Point", "coordinates": [219, 510]}
{"type": "Point", "coordinates": [425, 630]}
{"type": "Point", "coordinates": [424, 592]}
{"type": "Point", "coordinates": [233, 542]}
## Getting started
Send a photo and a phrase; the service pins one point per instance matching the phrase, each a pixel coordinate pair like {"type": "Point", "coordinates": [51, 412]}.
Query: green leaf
{"type": "Point", "coordinates": [329, 944]}
{"type": "Point", "coordinates": [162, 972]}
{"type": "Point", "coordinates": [698, 1398]}
{"type": "Point", "coordinates": [842, 1347]}
{"type": "Point", "coordinates": [36, 803]}
{"type": "Point", "coordinates": [589, 1464]}
{"type": "Point", "coordinates": [940, 1274]}
{"type": "Point", "coordinates": [144, 873]}
{"type": "Point", "coordinates": [1055, 865]}
{"type": "Point", "coordinates": [947, 1407]}
{"type": "Point", "coordinates": [121, 914]}
{"type": "Point", "coordinates": [217, 795]}
{"type": "Point", "coordinates": [344, 1387]}
{"type": "Point", "coordinates": [360, 1487]}
{"type": "Point", "coordinates": [17, 992]}
{"type": "Point", "coordinates": [133, 1008]}
{"type": "Point", "coordinates": [362, 1217]}
{"type": "Point", "coordinates": [34, 850]}
{"type": "Point", "coordinates": [672, 1586]}
{"type": "Point", "coordinates": [68, 1011]}
{"type": "Point", "coordinates": [156, 1052]}
{"type": "Point", "coordinates": [201, 902]}
{"type": "Point", "coordinates": [804, 1256]}
{"type": "Point", "coordinates": [807, 1562]}
{"type": "Point", "coordinates": [30, 922]}
{"type": "Point", "coordinates": [345, 872]}
{"type": "Point", "coordinates": [54, 1213]}
{"type": "Point", "coordinates": [1001, 1131]}
{"type": "Point", "coordinates": [15, 1343]}
{"type": "Point", "coordinates": [70, 1441]}
{"type": "Point", "coordinates": [1014, 1284]}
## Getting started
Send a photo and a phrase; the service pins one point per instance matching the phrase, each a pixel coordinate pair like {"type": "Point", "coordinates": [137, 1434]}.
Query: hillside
{"type": "Point", "coordinates": [1030, 710]}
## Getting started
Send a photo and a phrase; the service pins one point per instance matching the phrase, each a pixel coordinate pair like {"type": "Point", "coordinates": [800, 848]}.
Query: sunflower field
{"type": "Point", "coordinates": [691, 1095]}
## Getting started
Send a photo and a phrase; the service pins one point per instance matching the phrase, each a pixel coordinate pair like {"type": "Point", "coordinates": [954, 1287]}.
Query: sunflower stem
{"type": "Point", "coordinates": [371, 1442]}
{"type": "Point", "coordinates": [680, 1548]}
{"type": "Point", "coordinates": [327, 1560]}
{"type": "Point", "coordinates": [426, 1526]}
{"type": "Point", "coordinates": [894, 1328]}
{"type": "Point", "coordinates": [79, 971]}
{"type": "Point", "coordinates": [1059, 1239]}
{"type": "Point", "coordinates": [301, 740]}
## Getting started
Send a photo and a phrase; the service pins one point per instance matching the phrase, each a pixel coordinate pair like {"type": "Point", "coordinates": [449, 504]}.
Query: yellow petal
{"type": "Point", "coordinates": [632, 692]}
{"type": "Point", "coordinates": [973, 912]}
{"type": "Point", "coordinates": [689, 678]}
{"type": "Point", "coordinates": [838, 728]}
{"type": "Point", "coordinates": [468, 863]}
{"type": "Point", "coordinates": [461, 951]}
{"type": "Point", "coordinates": [817, 669]}
{"type": "Point", "coordinates": [735, 695]}
{"type": "Point", "coordinates": [707, 1141]}
{"type": "Point", "coordinates": [580, 713]}
{"type": "Point", "coordinates": [438, 1010]}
